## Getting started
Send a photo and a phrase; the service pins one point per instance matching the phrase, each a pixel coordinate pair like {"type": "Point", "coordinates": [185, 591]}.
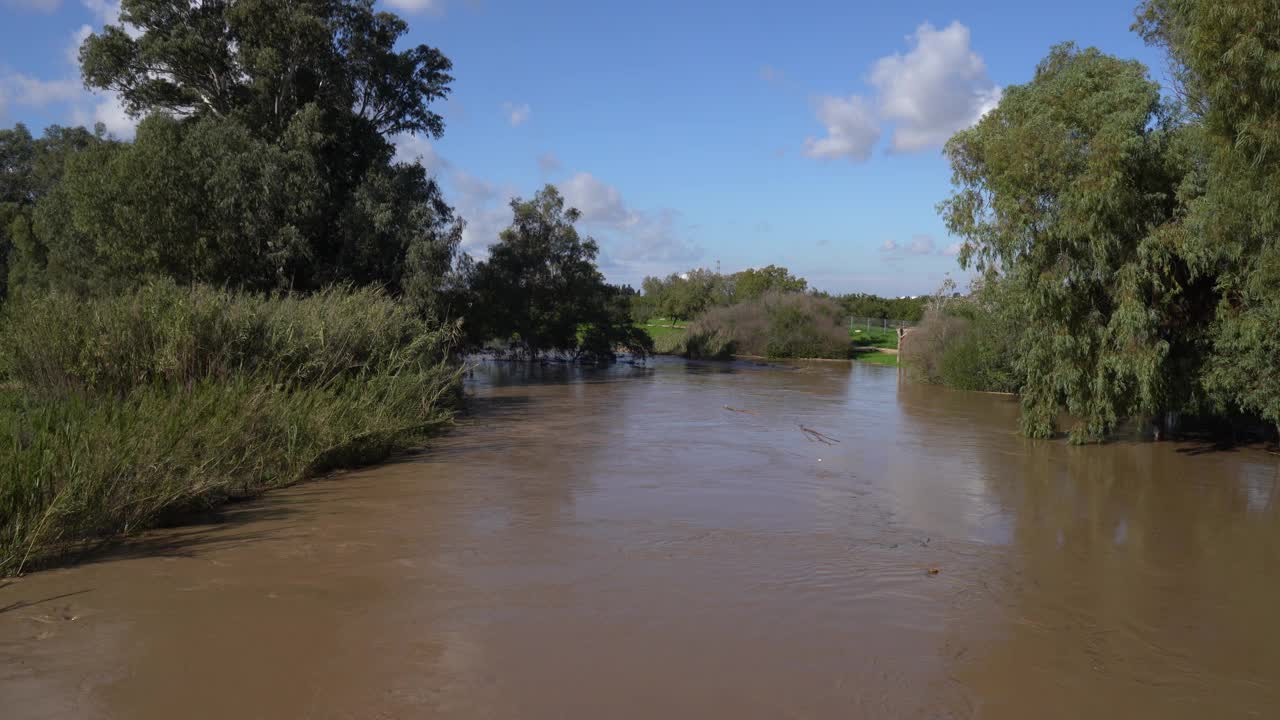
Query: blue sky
{"type": "Point", "coordinates": [805, 134]}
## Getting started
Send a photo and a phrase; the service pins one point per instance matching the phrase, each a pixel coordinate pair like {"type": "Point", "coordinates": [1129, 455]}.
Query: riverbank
{"type": "Point", "coordinates": [143, 408]}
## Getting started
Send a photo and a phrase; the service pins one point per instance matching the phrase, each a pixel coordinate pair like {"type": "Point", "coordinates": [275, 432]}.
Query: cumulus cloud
{"type": "Point", "coordinates": [938, 87]}
{"type": "Point", "coordinates": [852, 130]}
{"type": "Point", "coordinates": [412, 148]}
{"type": "Point", "coordinates": [483, 206]}
{"type": "Point", "coordinates": [21, 89]}
{"type": "Point", "coordinates": [516, 114]}
{"type": "Point", "coordinates": [633, 235]}
{"type": "Point", "coordinates": [77, 39]}
{"type": "Point", "coordinates": [598, 201]}
{"type": "Point", "coordinates": [109, 110]}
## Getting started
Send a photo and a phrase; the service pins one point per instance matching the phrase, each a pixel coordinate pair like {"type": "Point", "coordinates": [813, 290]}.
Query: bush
{"type": "Point", "coordinates": [126, 410]}
{"type": "Point", "coordinates": [774, 325]}
{"type": "Point", "coordinates": [961, 347]}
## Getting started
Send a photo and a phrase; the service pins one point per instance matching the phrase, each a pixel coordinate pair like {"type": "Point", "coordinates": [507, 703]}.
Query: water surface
{"type": "Point", "coordinates": [618, 544]}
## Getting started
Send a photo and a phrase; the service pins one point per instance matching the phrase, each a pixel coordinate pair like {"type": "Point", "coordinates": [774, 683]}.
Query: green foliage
{"type": "Point", "coordinates": [773, 325]}
{"type": "Point", "coordinates": [30, 170]}
{"type": "Point", "coordinates": [1226, 59]}
{"type": "Point", "coordinates": [874, 306]}
{"type": "Point", "coordinates": [263, 63]}
{"type": "Point", "coordinates": [750, 284]}
{"type": "Point", "coordinates": [1071, 189]}
{"type": "Point", "coordinates": [173, 336]}
{"type": "Point", "coordinates": [539, 290]}
{"type": "Point", "coordinates": [162, 400]}
{"type": "Point", "coordinates": [263, 160]}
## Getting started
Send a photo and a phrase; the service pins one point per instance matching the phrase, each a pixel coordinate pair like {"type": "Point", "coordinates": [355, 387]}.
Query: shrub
{"type": "Point", "coordinates": [774, 325]}
{"type": "Point", "coordinates": [961, 347]}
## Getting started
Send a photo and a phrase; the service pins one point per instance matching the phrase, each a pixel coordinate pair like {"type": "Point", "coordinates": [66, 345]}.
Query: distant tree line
{"type": "Point", "coordinates": [688, 295]}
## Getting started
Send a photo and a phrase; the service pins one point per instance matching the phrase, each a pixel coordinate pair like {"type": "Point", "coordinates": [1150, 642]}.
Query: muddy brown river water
{"type": "Point", "coordinates": [617, 544]}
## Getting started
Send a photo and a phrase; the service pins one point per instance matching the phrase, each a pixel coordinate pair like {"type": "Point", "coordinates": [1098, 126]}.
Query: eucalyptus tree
{"type": "Point", "coordinates": [1070, 189]}
{"type": "Point", "coordinates": [1226, 62]}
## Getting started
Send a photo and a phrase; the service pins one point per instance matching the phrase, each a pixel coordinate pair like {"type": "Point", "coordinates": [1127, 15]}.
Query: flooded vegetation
{"type": "Point", "coordinates": [671, 541]}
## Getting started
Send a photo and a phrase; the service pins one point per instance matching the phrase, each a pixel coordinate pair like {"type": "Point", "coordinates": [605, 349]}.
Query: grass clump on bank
{"type": "Point", "coordinates": [122, 411]}
{"type": "Point", "coordinates": [781, 325]}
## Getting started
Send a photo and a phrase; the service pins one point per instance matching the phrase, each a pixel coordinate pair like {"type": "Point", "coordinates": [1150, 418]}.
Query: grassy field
{"type": "Point", "coordinates": [668, 336]}
{"type": "Point", "coordinates": [874, 337]}
{"type": "Point", "coordinates": [872, 357]}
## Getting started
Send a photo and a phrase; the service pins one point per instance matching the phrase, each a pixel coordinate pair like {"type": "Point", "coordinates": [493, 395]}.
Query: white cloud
{"type": "Point", "coordinates": [21, 89]}
{"type": "Point", "coordinates": [77, 39]}
{"type": "Point", "coordinates": [435, 7]}
{"type": "Point", "coordinates": [918, 245]}
{"type": "Point", "coordinates": [110, 112]}
{"type": "Point", "coordinates": [483, 205]}
{"type": "Point", "coordinates": [851, 130]}
{"type": "Point", "coordinates": [107, 13]}
{"type": "Point", "coordinates": [940, 86]}
{"type": "Point", "coordinates": [516, 114]}
{"type": "Point", "coordinates": [634, 235]}
{"type": "Point", "coordinates": [597, 201]}
{"type": "Point", "coordinates": [952, 250]}
{"type": "Point", "coordinates": [412, 148]}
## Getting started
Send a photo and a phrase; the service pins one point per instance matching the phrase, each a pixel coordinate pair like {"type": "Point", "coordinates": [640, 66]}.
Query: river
{"type": "Point", "coordinates": [618, 543]}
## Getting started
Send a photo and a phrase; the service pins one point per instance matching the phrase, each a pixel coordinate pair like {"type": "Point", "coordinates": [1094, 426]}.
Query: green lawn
{"type": "Point", "coordinates": [658, 332]}
{"type": "Point", "coordinates": [668, 336]}
{"type": "Point", "coordinates": [872, 357]}
{"type": "Point", "coordinates": [874, 337]}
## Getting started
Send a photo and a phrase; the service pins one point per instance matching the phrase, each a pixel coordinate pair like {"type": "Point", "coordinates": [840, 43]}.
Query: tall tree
{"type": "Point", "coordinates": [31, 170]}
{"type": "Point", "coordinates": [1226, 59]}
{"type": "Point", "coordinates": [540, 288]}
{"type": "Point", "coordinates": [1070, 188]}
{"type": "Point", "coordinates": [264, 158]}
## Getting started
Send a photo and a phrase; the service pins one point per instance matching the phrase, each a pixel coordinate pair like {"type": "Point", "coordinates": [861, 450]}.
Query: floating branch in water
{"type": "Point", "coordinates": [814, 436]}
{"type": "Point", "coordinates": [744, 412]}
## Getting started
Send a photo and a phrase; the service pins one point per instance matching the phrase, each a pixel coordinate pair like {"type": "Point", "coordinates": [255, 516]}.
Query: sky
{"type": "Point", "coordinates": [689, 134]}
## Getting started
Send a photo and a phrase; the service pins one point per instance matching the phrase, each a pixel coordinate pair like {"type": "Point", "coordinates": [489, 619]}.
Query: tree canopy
{"type": "Point", "coordinates": [540, 290]}
{"type": "Point", "coordinates": [1226, 60]}
{"type": "Point", "coordinates": [1070, 190]}
{"type": "Point", "coordinates": [263, 159]}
